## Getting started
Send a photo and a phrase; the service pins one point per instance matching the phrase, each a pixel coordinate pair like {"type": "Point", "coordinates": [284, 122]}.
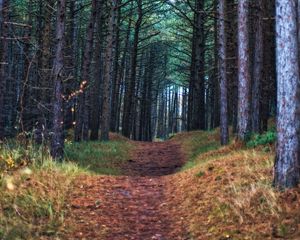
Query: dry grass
{"type": "Point", "coordinates": [228, 194]}
{"type": "Point", "coordinates": [32, 200]}
{"type": "Point", "coordinates": [34, 188]}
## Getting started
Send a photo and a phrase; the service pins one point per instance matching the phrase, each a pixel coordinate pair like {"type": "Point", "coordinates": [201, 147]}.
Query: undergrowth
{"type": "Point", "coordinates": [228, 193]}
{"type": "Point", "coordinates": [99, 157]}
{"type": "Point", "coordinates": [262, 139]}
{"type": "Point", "coordinates": [196, 143]}
{"type": "Point", "coordinates": [34, 188]}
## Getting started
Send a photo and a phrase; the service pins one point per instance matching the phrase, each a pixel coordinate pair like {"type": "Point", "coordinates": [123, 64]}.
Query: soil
{"type": "Point", "coordinates": [136, 206]}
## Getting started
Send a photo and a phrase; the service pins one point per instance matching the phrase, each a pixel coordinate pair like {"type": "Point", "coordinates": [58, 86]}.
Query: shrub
{"type": "Point", "coordinates": [263, 139]}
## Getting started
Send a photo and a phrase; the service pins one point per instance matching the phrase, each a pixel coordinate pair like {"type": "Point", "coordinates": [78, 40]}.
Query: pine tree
{"type": "Point", "coordinates": [57, 141]}
{"type": "Point", "coordinates": [287, 162]}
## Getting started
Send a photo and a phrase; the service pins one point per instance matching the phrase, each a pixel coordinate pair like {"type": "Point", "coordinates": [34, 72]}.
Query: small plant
{"type": "Point", "coordinates": [263, 139]}
{"type": "Point", "coordinates": [200, 174]}
{"type": "Point", "coordinates": [283, 230]}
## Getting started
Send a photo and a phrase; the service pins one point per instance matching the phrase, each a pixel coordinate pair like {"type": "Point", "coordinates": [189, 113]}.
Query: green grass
{"type": "Point", "coordinates": [195, 144]}
{"type": "Point", "coordinates": [262, 139]}
{"type": "Point", "coordinates": [34, 188]}
{"type": "Point", "coordinates": [32, 199]}
{"type": "Point", "coordinates": [200, 142]}
{"type": "Point", "coordinates": [99, 157]}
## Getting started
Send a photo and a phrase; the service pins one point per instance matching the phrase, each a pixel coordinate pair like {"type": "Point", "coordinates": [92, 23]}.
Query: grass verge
{"type": "Point", "coordinates": [196, 143]}
{"type": "Point", "coordinates": [227, 192]}
{"type": "Point", "coordinates": [99, 157]}
{"type": "Point", "coordinates": [34, 188]}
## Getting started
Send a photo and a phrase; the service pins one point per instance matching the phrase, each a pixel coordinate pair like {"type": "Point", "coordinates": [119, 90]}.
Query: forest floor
{"type": "Point", "coordinates": [137, 205]}
{"type": "Point", "coordinates": [186, 188]}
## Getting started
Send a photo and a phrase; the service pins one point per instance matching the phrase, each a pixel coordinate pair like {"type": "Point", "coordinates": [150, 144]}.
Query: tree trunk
{"type": "Point", "coordinates": [287, 162]}
{"type": "Point", "coordinates": [82, 124]}
{"type": "Point", "coordinates": [197, 89]}
{"type": "Point", "coordinates": [44, 83]}
{"type": "Point", "coordinates": [223, 74]}
{"type": "Point", "coordinates": [57, 143]}
{"type": "Point", "coordinates": [4, 62]}
{"type": "Point", "coordinates": [70, 65]}
{"type": "Point", "coordinates": [243, 71]}
{"type": "Point", "coordinates": [108, 68]}
{"type": "Point", "coordinates": [268, 84]}
{"type": "Point", "coordinates": [98, 78]}
{"type": "Point", "coordinates": [257, 66]}
{"type": "Point", "coordinates": [215, 95]}
{"type": "Point", "coordinates": [130, 90]}
{"type": "Point", "coordinates": [115, 79]}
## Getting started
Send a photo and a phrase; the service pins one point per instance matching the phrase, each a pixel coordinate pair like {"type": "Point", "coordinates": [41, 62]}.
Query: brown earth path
{"type": "Point", "coordinates": [137, 206]}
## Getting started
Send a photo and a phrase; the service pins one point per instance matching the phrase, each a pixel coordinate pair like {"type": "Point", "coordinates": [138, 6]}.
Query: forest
{"type": "Point", "coordinates": [149, 119]}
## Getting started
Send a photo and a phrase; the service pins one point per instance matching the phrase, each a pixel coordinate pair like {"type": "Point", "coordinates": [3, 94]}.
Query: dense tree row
{"type": "Point", "coordinates": [113, 74]}
{"type": "Point", "coordinates": [147, 69]}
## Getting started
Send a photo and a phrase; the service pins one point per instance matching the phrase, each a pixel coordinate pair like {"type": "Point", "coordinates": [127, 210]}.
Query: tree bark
{"type": "Point", "coordinates": [257, 66]}
{"type": "Point", "coordinates": [223, 74]}
{"type": "Point", "coordinates": [115, 78]}
{"type": "Point", "coordinates": [4, 62]}
{"type": "Point", "coordinates": [44, 83]}
{"type": "Point", "coordinates": [108, 68]}
{"type": "Point", "coordinates": [243, 71]}
{"type": "Point", "coordinates": [57, 141]}
{"type": "Point", "coordinates": [82, 124]}
{"type": "Point", "coordinates": [197, 90]}
{"type": "Point", "coordinates": [287, 162]}
{"type": "Point", "coordinates": [268, 84]}
{"type": "Point", "coordinates": [130, 90]}
{"type": "Point", "coordinates": [98, 78]}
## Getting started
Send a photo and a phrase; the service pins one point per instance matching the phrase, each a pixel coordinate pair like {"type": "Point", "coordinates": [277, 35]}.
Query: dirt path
{"type": "Point", "coordinates": [137, 206]}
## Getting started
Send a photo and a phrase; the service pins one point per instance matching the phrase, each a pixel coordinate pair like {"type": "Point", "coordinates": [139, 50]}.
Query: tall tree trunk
{"type": "Point", "coordinates": [268, 88]}
{"type": "Point", "coordinates": [108, 68]}
{"type": "Point", "coordinates": [4, 62]}
{"type": "Point", "coordinates": [231, 35]}
{"type": "Point", "coordinates": [115, 79]}
{"type": "Point", "coordinates": [23, 99]}
{"type": "Point", "coordinates": [223, 74]}
{"type": "Point", "coordinates": [215, 95]}
{"type": "Point", "coordinates": [121, 71]}
{"type": "Point", "coordinates": [287, 162]}
{"type": "Point", "coordinates": [197, 89]}
{"type": "Point", "coordinates": [257, 66]}
{"type": "Point", "coordinates": [44, 83]}
{"type": "Point", "coordinates": [243, 71]}
{"type": "Point", "coordinates": [70, 65]}
{"type": "Point", "coordinates": [98, 78]}
{"type": "Point", "coordinates": [130, 90]}
{"type": "Point", "coordinates": [192, 82]}
{"type": "Point", "coordinates": [82, 124]}
{"type": "Point", "coordinates": [57, 141]}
